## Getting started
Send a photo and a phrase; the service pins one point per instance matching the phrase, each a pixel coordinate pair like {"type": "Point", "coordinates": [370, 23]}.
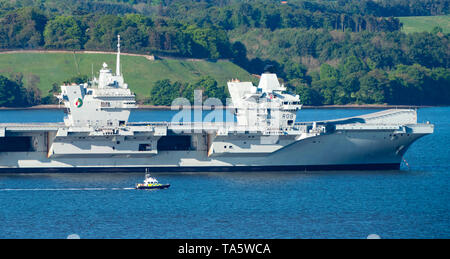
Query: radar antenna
{"type": "Point", "coordinates": [118, 57]}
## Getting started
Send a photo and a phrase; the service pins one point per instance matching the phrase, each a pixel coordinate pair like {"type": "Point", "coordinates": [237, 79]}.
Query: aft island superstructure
{"type": "Point", "coordinates": [97, 137]}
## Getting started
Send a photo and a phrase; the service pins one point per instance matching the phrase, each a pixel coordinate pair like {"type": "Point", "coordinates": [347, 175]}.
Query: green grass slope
{"type": "Point", "coordinates": [44, 69]}
{"type": "Point", "coordinates": [425, 23]}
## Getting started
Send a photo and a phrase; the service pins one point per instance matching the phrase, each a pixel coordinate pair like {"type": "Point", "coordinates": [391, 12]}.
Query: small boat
{"type": "Point", "coordinates": [151, 183]}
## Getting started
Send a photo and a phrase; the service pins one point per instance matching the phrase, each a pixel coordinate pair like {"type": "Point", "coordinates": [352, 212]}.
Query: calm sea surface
{"type": "Point", "coordinates": [411, 203]}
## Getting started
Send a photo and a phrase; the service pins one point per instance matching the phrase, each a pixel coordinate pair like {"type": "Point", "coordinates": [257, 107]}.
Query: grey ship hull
{"type": "Point", "coordinates": [348, 146]}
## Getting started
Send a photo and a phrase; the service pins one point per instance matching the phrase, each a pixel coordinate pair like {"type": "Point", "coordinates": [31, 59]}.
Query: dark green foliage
{"type": "Point", "coordinates": [351, 65]}
{"type": "Point", "coordinates": [308, 96]}
{"type": "Point", "coordinates": [22, 29]}
{"type": "Point", "coordinates": [32, 97]}
{"type": "Point", "coordinates": [49, 99]}
{"type": "Point", "coordinates": [208, 42]}
{"type": "Point", "coordinates": [64, 32]}
{"type": "Point", "coordinates": [209, 89]}
{"type": "Point", "coordinates": [428, 49]}
{"type": "Point", "coordinates": [328, 72]}
{"type": "Point", "coordinates": [372, 87]}
{"type": "Point", "coordinates": [273, 15]}
{"type": "Point", "coordinates": [133, 28]}
{"type": "Point", "coordinates": [419, 85]}
{"type": "Point", "coordinates": [392, 67]}
{"type": "Point", "coordinates": [294, 70]}
{"type": "Point", "coordinates": [80, 79]}
{"type": "Point", "coordinates": [13, 94]}
{"type": "Point", "coordinates": [239, 54]}
{"type": "Point", "coordinates": [29, 28]}
{"type": "Point", "coordinates": [164, 91]}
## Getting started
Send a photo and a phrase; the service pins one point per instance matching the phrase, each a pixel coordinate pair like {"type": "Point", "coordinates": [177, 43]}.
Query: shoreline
{"type": "Point", "coordinates": [162, 108]}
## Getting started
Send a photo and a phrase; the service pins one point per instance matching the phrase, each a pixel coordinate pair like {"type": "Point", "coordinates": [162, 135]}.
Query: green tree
{"type": "Point", "coordinates": [352, 64]}
{"type": "Point", "coordinates": [440, 86]}
{"type": "Point", "coordinates": [209, 42]}
{"type": "Point", "coordinates": [209, 88]}
{"type": "Point", "coordinates": [327, 89]}
{"type": "Point", "coordinates": [350, 84]}
{"type": "Point", "coordinates": [164, 92]}
{"type": "Point", "coordinates": [103, 32]}
{"type": "Point", "coordinates": [22, 28]}
{"type": "Point", "coordinates": [372, 87]}
{"type": "Point", "coordinates": [64, 32]}
{"type": "Point", "coordinates": [294, 70]}
{"type": "Point", "coordinates": [308, 96]}
{"type": "Point", "coordinates": [11, 93]}
{"type": "Point", "coordinates": [239, 54]}
{"type": "Point", "coordinates": [328, 72]}
{"type": "Point", "coordinates": [411, 84]}
{"type": "Point", "coordinates": [428, 50]}
{"type": "Point", "coordinates": [79, 79]}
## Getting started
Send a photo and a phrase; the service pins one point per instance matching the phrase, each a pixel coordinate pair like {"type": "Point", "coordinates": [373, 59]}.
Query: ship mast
{"type": "Point", "coordinates": [118, 56]}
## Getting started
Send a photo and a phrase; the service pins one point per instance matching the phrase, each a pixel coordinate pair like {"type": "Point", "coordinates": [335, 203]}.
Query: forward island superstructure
{"type": "Point", "coordinates": [97, 137]}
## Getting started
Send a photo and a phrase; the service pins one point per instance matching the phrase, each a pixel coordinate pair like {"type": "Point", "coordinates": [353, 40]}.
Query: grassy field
{"type": "Point", "coordinates": [425, 23]}
{"type": "Point", "coordinates": [140, 73]}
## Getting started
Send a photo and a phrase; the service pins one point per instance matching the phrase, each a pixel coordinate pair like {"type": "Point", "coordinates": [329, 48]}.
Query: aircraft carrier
{"type": "Point", "coordinates": [264, 136]}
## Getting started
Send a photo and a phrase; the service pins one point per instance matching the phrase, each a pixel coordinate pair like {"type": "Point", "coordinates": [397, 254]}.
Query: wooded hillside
{"type": "Point", "coordinates": [329, 52]}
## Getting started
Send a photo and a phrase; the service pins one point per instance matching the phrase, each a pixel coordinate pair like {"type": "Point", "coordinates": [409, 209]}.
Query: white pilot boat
{"type": "Point", "coordinates": [151, 183]}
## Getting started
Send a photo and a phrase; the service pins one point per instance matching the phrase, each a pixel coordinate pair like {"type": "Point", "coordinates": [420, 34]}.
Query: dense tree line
{"type": "Point", "coordinates": [273, 15]}
{"type": "Point", "coordinates": [30, 28]}
{"type": "Point", "coordinates": [22, 28]}
{"type": "Point", "coordinates": [379, 50]}
{"type": "Point", "coordinates": [180, 8]}
{"type": "Point", "coordinates": [72, 7]}
{"type": "Point", "coordinates": [353, 15]}
{"type": "Point", "coordinates": [388, 8]}
{"type": "Point", "coordinates": [14, 94]}
{"type": "Point", "coordinates": [341, 68]}
{"type": "Point", "coordinates": [354, 82]}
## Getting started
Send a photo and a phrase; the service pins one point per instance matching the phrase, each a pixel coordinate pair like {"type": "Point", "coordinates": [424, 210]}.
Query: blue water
{"type": "Point", "coordinates": [411, 203]}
